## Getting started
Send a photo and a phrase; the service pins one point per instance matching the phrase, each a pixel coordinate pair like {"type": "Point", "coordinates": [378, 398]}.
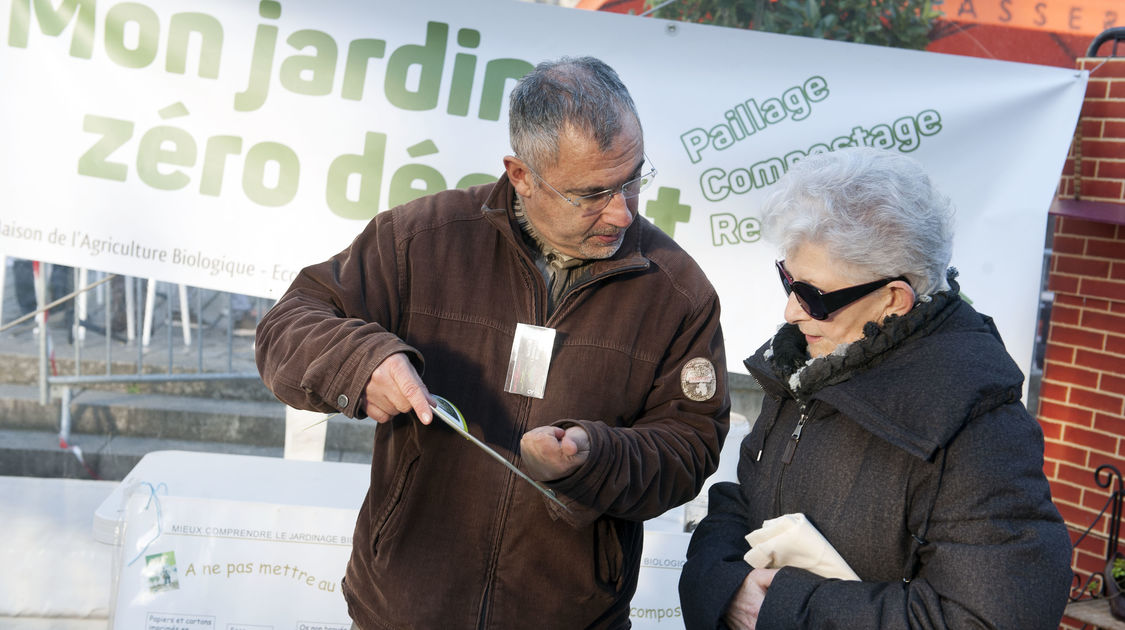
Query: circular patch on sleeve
{"type": "Point", "coordinates": [697, 379]}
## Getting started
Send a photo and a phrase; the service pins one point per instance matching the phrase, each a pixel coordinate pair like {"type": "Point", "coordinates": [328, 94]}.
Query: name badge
{"type": "Point", "coordinates": [530, 360]}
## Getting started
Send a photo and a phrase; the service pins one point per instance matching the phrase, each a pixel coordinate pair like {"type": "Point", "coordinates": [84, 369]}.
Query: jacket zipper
{"type": "Point", "coordinates": [540, 317]}
{"type": "Point", "coordinates": [592, 280]}
{"type": "Point", "coordinates": [795, 437]}
{"type": "Point", "coordinates": [787, 455]}
{"type": "Point", "coordinates": [498, 536]}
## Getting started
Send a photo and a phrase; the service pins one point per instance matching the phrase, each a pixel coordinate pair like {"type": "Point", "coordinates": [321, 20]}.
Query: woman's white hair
{"type": "Point", "coordinates": [874, 211]}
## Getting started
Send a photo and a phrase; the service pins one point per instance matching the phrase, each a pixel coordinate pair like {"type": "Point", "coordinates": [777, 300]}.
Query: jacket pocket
{"type": "Point", "coordinates": [388, 518]}
{"type": "Point", "coordinates": [616, 551]}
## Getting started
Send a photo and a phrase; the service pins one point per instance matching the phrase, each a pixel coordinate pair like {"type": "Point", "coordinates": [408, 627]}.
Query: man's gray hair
{"type": "Point", "coordinates": [582, 93]}
{"type": "Point", "coordinates": [874, 211]}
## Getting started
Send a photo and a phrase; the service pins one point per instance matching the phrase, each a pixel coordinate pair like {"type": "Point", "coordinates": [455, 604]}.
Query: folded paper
{"type": "Point", "coordinates": [792, 541]}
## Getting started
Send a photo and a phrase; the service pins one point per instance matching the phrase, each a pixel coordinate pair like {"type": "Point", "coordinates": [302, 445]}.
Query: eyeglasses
{"type": "Point", "coordinates": [596, 202]}
{"type": "Point", "coordinates": [818, 304]}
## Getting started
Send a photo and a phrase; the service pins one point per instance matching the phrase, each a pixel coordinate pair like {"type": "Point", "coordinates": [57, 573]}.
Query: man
{"type": "Point", "coordinates": [61, 283]}
{"type": "Point", "coordinates": [579, 341]}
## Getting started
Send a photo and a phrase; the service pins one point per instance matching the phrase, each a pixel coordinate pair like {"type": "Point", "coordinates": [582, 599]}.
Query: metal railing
{"type": "Point", "coordinates": [209, 350]}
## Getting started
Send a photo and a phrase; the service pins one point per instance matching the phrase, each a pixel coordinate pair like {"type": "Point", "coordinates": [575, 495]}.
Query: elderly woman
{"type": "Point", "coordinates": [891, 420]}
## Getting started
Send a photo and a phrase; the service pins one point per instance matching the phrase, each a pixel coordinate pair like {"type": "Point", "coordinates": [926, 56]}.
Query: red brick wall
{"type": "Point", "coordinates": [1099, 147]}
{"type": "Point", "coordinates": [1082, 397]}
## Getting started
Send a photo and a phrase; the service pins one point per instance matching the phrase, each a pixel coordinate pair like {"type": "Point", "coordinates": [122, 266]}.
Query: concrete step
{"type": "Point", "coordinates": [115, 429]}
{"type": "Point", "coordinates": [40, 454]}
{"type": "Point", "coordinates": [23, 369]}
{"type": "Point", "coordinates": [158, 416]}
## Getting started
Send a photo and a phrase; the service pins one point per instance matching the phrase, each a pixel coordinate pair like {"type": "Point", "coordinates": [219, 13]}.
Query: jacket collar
{"type": "Point", "coordinates": [498, 210]}
{"type": "Point", "coordinates": [913, 382]}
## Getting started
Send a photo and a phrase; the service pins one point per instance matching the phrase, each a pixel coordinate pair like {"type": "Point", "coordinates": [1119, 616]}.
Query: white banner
{"type": "Point", "coordinates": [228, 144]}
{"type": "Point", "coordinates": [656, 603]}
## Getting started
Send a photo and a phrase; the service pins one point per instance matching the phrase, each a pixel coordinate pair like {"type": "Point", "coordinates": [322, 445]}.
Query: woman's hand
{"type": "Point", "coordinates": [742, 614]}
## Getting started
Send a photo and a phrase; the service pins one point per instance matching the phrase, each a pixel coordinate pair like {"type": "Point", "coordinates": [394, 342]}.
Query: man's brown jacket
{"type": "Point", "coordinates": [446, 536]}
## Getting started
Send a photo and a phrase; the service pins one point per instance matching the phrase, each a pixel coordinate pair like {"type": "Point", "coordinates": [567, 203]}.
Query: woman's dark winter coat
{"type": "Point", "coordinates": [919, 464]}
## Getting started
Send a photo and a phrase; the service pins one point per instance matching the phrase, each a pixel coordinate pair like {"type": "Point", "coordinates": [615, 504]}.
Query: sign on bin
{"type": "Point", "coordinates": [198, 564]}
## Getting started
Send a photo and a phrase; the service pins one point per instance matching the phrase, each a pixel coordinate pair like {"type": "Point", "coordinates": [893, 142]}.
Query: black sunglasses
{"type": "Point", "coordinates": [818, 304]}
